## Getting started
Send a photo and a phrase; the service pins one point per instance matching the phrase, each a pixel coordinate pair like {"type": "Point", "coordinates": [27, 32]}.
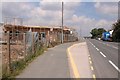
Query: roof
{"type": "Point", "coordinates": [54, 27]}
{"type": "Point", "coordinates": [38, 26]}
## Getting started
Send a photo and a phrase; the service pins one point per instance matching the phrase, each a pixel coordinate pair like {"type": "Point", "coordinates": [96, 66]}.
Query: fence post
{"type": "Point", "coordinates": [8, 52]}
{"type": "Point", "coordinates": [33, 43]}
{"type": "Point", "coordinates": [24, 38]}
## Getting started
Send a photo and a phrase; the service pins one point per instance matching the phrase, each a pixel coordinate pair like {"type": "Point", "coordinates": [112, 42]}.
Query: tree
{"type": "Point", "coordinates": [116, 32]}
{"type": "Point", "coordinates": [97, 32]}
{"type": "Point", "coordinates": [100, 31]}
{"type": "Point", "coordinates": [94, 32]}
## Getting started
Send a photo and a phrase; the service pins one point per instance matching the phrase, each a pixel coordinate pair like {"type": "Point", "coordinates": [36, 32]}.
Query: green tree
{"type": "Point", "coordinates": [100, 31]}
{"type": "Point", "coordinates": [116, 32]}
{"type": "Point", "coordinates": [94, 32]}
{"type": "Point", "coordinates": [97, 32]}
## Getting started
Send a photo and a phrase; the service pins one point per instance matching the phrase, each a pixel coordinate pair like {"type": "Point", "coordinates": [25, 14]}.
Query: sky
{"type": "Point", "coordinates": [83, 16]}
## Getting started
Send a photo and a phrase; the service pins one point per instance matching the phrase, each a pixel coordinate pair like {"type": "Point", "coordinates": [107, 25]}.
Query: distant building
{"type": "Point", "coordinates": [46, 33]}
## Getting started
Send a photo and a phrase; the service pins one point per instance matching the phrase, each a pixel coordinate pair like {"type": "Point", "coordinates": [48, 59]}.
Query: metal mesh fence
{"type": "Point", "coordinates": [17, 47]}
{"type": "Point", "coordinates": [20, 47]}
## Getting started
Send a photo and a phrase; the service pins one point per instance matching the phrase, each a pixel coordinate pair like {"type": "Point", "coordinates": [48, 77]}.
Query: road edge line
{"type": "Point", "coordinates": [73, 65]}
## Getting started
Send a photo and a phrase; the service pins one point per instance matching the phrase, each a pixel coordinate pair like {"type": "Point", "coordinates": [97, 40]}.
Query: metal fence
{"type": "Point", "coordinates": [16, 47]}
{"type": "Point", "coordinates": [21, 46]}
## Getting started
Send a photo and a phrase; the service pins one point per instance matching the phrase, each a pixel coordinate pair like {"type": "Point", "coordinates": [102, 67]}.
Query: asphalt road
{"type": "Point", "coordinates": [105, 58]}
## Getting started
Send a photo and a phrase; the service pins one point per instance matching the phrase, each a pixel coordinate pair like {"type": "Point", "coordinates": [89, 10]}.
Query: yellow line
{"type": "Point", "coordinates": [74, 67]}
{"type": "Point", "coordinates": [89, 58]}
{"type": "Point", "coordinates": [94, 77]}
{"type": "Point", "coordinates": [92, 68]}
{"type": "Point", "coordinates": [90, 62]}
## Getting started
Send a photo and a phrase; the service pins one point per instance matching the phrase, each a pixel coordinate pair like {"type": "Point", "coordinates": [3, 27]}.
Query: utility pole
{"type": "Point", "coordinates": [62, 24]}
{"type": "Point", "coordinates": [79, 33]}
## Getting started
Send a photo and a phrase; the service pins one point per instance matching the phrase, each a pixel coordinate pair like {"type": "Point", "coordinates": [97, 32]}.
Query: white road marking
{"type": "Point", "coordinates": [102, 54]}
{"type": "Point", "coordinates": [114, 47]}
{"type": "Point", "coordinates": [111, 46]}
{"type": "Point", "coordinates": [105, 56]}
{"type": "Point", "coordinates": [114, 65]}
{"type": "Point", "coordinates": [97, 49]}
{"type": "Point", "coordinates": [92, 43]}
{"type": "Point", "coordinates": [94, 46]}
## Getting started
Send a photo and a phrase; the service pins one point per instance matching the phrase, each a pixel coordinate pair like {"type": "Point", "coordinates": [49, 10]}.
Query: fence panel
{"type": "Point", "coordinates": [19, 47]}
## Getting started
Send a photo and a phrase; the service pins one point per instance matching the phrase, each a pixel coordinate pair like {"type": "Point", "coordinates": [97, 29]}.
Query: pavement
{"type": "Point", "coordinates": [52, 64]}
{"type": "Point", "coordinates": [79, 56]}
{"type": "Point", "coordinates": [104, 57]}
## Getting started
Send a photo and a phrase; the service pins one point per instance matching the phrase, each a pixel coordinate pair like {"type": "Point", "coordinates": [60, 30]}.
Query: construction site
{"type": "Point", "coordinates": [19, 42]}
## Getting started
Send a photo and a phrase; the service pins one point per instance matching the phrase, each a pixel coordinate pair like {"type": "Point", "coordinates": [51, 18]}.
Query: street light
{"type": "Point", "coordinates": [62, 23]}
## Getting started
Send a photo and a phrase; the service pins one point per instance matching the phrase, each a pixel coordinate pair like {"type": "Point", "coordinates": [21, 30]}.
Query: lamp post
{"type": "Point", "coordinates": [62, 24]}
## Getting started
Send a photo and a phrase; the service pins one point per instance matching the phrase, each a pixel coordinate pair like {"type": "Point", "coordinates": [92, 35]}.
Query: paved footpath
{"type": "Point", "coordinates": [79, 59]}
{"type": "Point", "coordinates": [51, 64]}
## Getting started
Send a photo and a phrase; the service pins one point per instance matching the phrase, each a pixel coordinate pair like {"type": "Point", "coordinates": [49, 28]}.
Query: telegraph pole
{"type": "Point", "coordinates": [62, 24]}
{"type": "Point", "coordinates": [79, 33]}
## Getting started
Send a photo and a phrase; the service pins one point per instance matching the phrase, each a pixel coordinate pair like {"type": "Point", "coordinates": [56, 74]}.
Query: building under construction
{"type": "Point", "coordinates": [19, 41]}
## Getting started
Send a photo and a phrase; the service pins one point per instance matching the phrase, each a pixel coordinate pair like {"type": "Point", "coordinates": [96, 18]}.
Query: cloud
{"type": "Point", "coordinates": [86, 24]}
{"type": "Point", "coordinates": [49, 13]}
{"type": "Point", "coordinates": [16, 9]}
{"type": "Point", "coordinates": [71, 5]}
{"type": "Point", "coordinates": [62, 0]}
{"type": "Point", "coordinates": [0, 12]}
{"type": "Point", "coordinates": [102, 23]}
{"type": "Point", "coordinates": [105, 0]}
{"type": "Point", "coordinates": [107, 9]}
{"type": "Point", "coordinates": [39, 16]}
{"type": "Point", "coordinates": [54, 6]}
{"type": "Point", "coordinates": [21, 0]}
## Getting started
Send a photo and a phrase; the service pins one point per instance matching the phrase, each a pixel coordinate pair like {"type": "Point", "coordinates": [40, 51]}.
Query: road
{"type": "Point", "coordinates": [105, 58]}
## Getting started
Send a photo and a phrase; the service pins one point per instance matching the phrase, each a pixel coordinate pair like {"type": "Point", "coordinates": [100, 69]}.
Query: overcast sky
{"type": "Point", "coordinates": [79, 15]}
